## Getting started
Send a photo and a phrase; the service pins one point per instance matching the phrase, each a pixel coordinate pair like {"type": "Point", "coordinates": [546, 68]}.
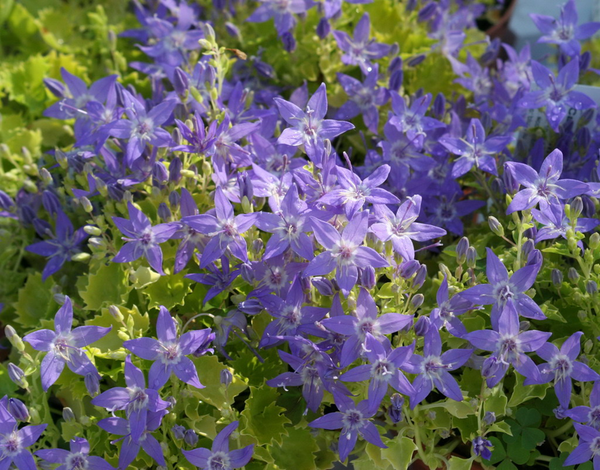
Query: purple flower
{"type": "Point", "coordinates": [588, 448]}
{"type": "Point", "coordinates": [199, 138]}
{"type": "Point", "coordinates": [382, 371]}
{"type": "Point", "coordinates": [543, 187]}
{"type": "Point", "coordinates": [61, 247]}
{"type": "Point", "coordinates": [482, 447]}
{"type": "Point", "coordinates": [556, 223]}
{"type": "Point", "coordinates": [169, 352]}
{"type": "Point", "coordinates": [445, 313]}
{"type": "Point", "coordinates": [281, 12]}
{"type": "Point", "coordinates": [291, 318]}
{"type": "Point", "coordinates": [475, 149]}
{"type": "Point", "coordinates": [503, 289]}
{"type": "Point", "coordinates": [225, 230]}
{"type": "Point", "coordinates": [135, 399]}
{"type": "Point", "coordinates": [14, 442]}
{"type": "Point", "coordinates": [142, 127]}
{"type": "Point", "coordinates": [353, 192]}
{"type": "Point", "coordinates": [77, 459]}
{"type": "Point", "coordinates": [64, 346]}
{"type": "Point", "coordinates": [556, 93]}
{"type": "Point", "coordinates": [588, 414]}
{"type": "Point", "coordinates": [564, 31]}
{"type": "Point", "coordinates": [360, 50]}
{"type": "Point", "coordinates": [364, 98]}
{"type": "Point", "coordinates": [562, 366]}
{"type": "Point", "coordinates": [508, 346]}
{"type": "Point", "coordinates": [367, 322]}
{"type": "Point", "coordinates": [219, 280]}
{"type": "Point", "coordinates": [343, 252]}
{"type": "Point", "coordinates": [401, 228]}
{"type": "Point", "coordinates": [352, 420]}
{"type": "Point", "coordinates": [309, 128]}
{"type": "Point", "coordinates": [402, 153]}
{"type": "Point", "coordinates": [288, 227]}
{"type": "Point", "coordinates": [224, 147]}
{"type": "Point", "coordinates": [432, 369]}
{"type": "Point", "coordinates": [220, 457]}
{"type": "Point", "coordinates": [412, 120]}
{"type": "Point", "coordinates": [131, 447]}
{"type": "Point", "coordinates": [190, 238]}
{"type": "Point", "coordinates": [142, 238]}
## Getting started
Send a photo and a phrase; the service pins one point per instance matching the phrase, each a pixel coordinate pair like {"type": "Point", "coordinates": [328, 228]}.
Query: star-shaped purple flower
{"type": "Point", "coordinates": [135, 399]}
{"type": "Point", "coordinates": [77, 459]}
{"type": "Point", "coordinates": [565, 31]}
{"type": "Point", "coordinates": [562, 366]}
{"type": "Point", "coordinates": [588, 448]}
{"type": "Point", "coordinates": [281, 12]}
{"type": "Point", "coordinates": [543, 187]}
{"type": "Point", "coordinates": [588, 414]}
{"type": "Point", "coordinates": [14, 442]}
{"type": "Point", "coordinates": [169, 352]}
{"type": "Point", "coordinates": [64, 346]}
{"type": "Point", "coordinates": [343, 251]}
{"type": "Point", "coordinates": [220, 457]}
{"type": "Point", "coordinates": [310, 128]}
{"type": "Point", "coordinates": [142, 238]}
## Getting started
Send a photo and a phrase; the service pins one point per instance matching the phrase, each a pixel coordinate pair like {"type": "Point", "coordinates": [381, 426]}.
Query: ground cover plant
{"type": "Point", "coordinates": [289, 234]}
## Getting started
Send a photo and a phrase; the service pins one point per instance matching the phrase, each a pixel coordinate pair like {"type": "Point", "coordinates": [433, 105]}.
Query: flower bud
{"type": "Point", "coordinates": [594, 240]}
{"type": "Point", "coordinates": [422, 326]}
{"type": "Point", "coordinates": [251, 306]}
{"type": "Point", "coordinates": [496, 226]}
{"type": "Point", "coordinates": [408, 268]}
{"type": "Point", "coordinates": [190, 437]}
{"type": "Point", "coordinates": [396, 79]}
{"type": "Point", "coordinates": [51, 202]}
{"type": "Point", "coordinates": [160, 173]}
{"type": "Point", "coordinates": [164, 212]}
{"type": "Point", "coordinates": [16, 374]}
{"type": "Point", "coordinates": [591, 287]}
{"type": "Point", "coordinates": [92, 230]}
{"type": "Point", "coordinates": [45, 176]}
{"type": "Point", "coordinates": [576, 207]}
{"type": "Point", "coordinates": [573, 275]}
{"type": "Point", "coordinates": [97, 242]}
{"type": "Point", "coordinates": [427, 12]}
{"type": "Point", "coordinates": [181, 82]}
{"type": "Point", "coordinates": [471, 257]}
{"type": "Point", "coordinates": [524, 325]}
{"type": "Point", "coordinates": [116, 313]}
{"type": "Point", "coordinates": [527, 248]}
{"type": "Point", "coordinates": [323, 28]}
{"type": "Point", "coordinates": [18, 409]}
{"type": "Point", "coordinates": [257, 246]}
{"type": "Point", "coordinates": [289, 42]}
{"type": "Point", "coordinates": [81, 257]}
{"type": "Point", "coordinates": [59, 298]}
{"type": "Point", "coordinates": [560, 412]}
{"type": "Point", "coordinates": [367, 277]}
{"type": "Point", "coordinates": [420, 277]}
{"type": "Point", "coordinates": [86, 204]}
{"type": "Point", "coordinates": [535, 257]}
{"type": "Point", "coordinates": [489, 418]}
{"type": "Point", "coordinates": [490, 367]}
{"type": "Point", "coordinates": [174, 199]}
{"type": "Point", "coordinates": [55, 87]}
{"type": "Point", "coordinates": [68, 415]}
{"type": "Point", "coordinates": [395, 409]}
{"type": "Point", "coordinates": [226, 377]}
{"type": "Point", "coordinates": [395, 64]}
{"type": "Point", "coordinates": [511, 184]}
{"type": "Point", "coordinates": [175, 170]}
{"type": "Point", "coordinates": [418, 300]}
{"type": "Point", "coordinates": [14, 338]}
{"type": "Point", "coordinates": [92, 383]}
{"type": "Point", "coordinates": [323, 285]}
{"type": "Point", "coordinates": [461, 250]}
{"type": "Point", "coordinates": [247, 273]}
{"type": "Point", "coordinates": [416, 60]}
{"type": "Point", "coordinates": [431, 415]}
{"type": "Point", "coordinates": [178, 431]}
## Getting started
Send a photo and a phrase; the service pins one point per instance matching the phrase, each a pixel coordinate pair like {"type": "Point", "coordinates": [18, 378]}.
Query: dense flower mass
{"type": "Point", "coordinates": [295, 205]}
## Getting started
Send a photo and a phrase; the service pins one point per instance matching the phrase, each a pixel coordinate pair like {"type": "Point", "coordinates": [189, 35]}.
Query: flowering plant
{"type": "Point", "coordinates": [270, 251]}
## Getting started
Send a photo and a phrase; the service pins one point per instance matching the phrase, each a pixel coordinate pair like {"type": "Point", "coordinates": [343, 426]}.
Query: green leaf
{"type": "Point", "coordinates": [262, 418]}
{"type": "Point", "coordinates": [496, 403]}
{"type": "Point", "coordinates": [168, 291]}
{"type": "Point", "coordinates": [209, 372]}
{"type": "Point", "coordinates": [458, 409]}
{"type": "Point", "coordinates": [399, 452]}
{"type": "Point", "coordinates": [35, 301]}
{"type": "Point", "coordinates": [456, 463]}
{"type": "Point", "coordinates": [506, 465]}
{"type": "Point", "coordinates": [107, 286]}
{"type": "Point", "coordinates": [468, 427]}
{"type": "Point", "coordinates": [110, 344]}
{"type": "Point", "coordinates": [498, 452]}
{"type": "Point", "coordinates": [552, 312]}
{"type": "Point", "coordinates": [500, 426]}
{"type": "Point", "coordinates": [374, 452]}
{"type": "Point", "coordinates": [522, 393]}
{"type": "Point", "coordinates": [296, 450]}
{"type": "Point", "coordinates": [528, 417]}
{"type": "Point", "coordinates": [531, 437]}
{"type": "Point", "coordinates": [517, 453]}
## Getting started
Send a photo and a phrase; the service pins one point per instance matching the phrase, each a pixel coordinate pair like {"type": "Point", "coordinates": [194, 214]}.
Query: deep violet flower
{"type": "Point", "coordinates": [77, 459]}
{"type": "Point", "coordinates": [64, 346]}
{"type": "Point", "coordinates": [169, 352]}
{"type": "Point", "coordinates": [220, 457]}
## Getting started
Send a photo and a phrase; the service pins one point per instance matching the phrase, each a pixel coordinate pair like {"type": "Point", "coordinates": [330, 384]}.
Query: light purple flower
{"type": "Point", "coordinates": [343, 251]}
{"type": "Point", "coordinates": [282, 13]}
{"type": "Point", "coordinates": [14, 442]}
{"type": "Point", "coordinates": [142, 238]}
{"type": "Point", "coordinates": [220, 457]}
{"type": "Point", "coordinates": [64, 346]}
{"type": "Point", "coordinates": [77, 459]}
{"type": "Point", "coordinates": [169, 352]}
{"type": "Point", "coordinates": [588, 414]}
{"type": "Point", "coordinates": [588, 448]}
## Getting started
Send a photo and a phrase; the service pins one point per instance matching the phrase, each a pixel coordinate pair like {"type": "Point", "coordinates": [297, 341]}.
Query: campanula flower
{"type": "Point", "coordinates": [64, 346]}
{"type": "Point", "coordinates": [588, 448]}
{"type": "Point", "coordinates": [77, 458]}
{"type": "Point", "coordinates": [14, 442]}
{"type": "Point", "coordinates": [589, 415]}
{"type": "Point", "coordinates": [281, 12]}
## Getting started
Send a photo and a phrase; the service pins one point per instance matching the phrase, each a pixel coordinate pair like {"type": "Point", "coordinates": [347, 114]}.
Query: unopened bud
{"type": "Point", "coordinates": [576, 207]}
{"type": "Point", "coordinates": [418, 300]}
{"type": "Point", "coordinates": [14, 338]}
{"type": "Point", "coordinates": [573, 275]}
{"type": "Point", "coordinates": [496, 226]}
{"type": "Point", "coordinates": [92, 230]}
{"type": "Point", "coordinates": [81, 257]}
{"type": "Point", "coordinates": [226, 377]}
{"type": "Point", "coordinates": [59, 298]}
{"type": "Point", "coordinates": [422, 326]}
{"type": "Point", "coordinates": [16, 374]}
{"type": "Point", "coordinates": [408, 268]}
{"type": "Point", "coordinates": [178, 431]}
{"type": "Point", "coordinates": [86, 204]}
{"type": "Point", "coordinates": [524, 325]}
{"type": "Point", "coordinates": [594, 240]}
{"type": "Point", "coordinates": [323, 285]}
{"type": "Point", "coordinates": [92, 383]}
{"type": "Point", "coordinates": [427, 12]}
{"type": "Point", "coordinates": [367, 277]}
{"type": "Point", "coordinates": [68, 415]}
{"type": "Point", "coordinates": [174, 199]}
{"type": "Point", "coordinates": [190, 437]}
{"type": "Point", "coordinates": [471, 257]}
{"type": "Point", "coordinates": [591, 287]}
{"type": "Point", "coordinates": [164, 212]}
{"type": "Point", "coordinates": [116, 313]}
{"type": "Point", "coordinates": [18, 409]}
{"type": "Point", "coordinates": [395, 409]}
{"type": "Point", "coordinates": [420, 277]}
{"type": "Point", "coordinates": [461, 250]}
{"type": "Point", "coordinates": [527, 248]}
{"type": "Point", "coordinates": [489, 418]}
{"type": "Point", "coordinates": [45, 176]}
